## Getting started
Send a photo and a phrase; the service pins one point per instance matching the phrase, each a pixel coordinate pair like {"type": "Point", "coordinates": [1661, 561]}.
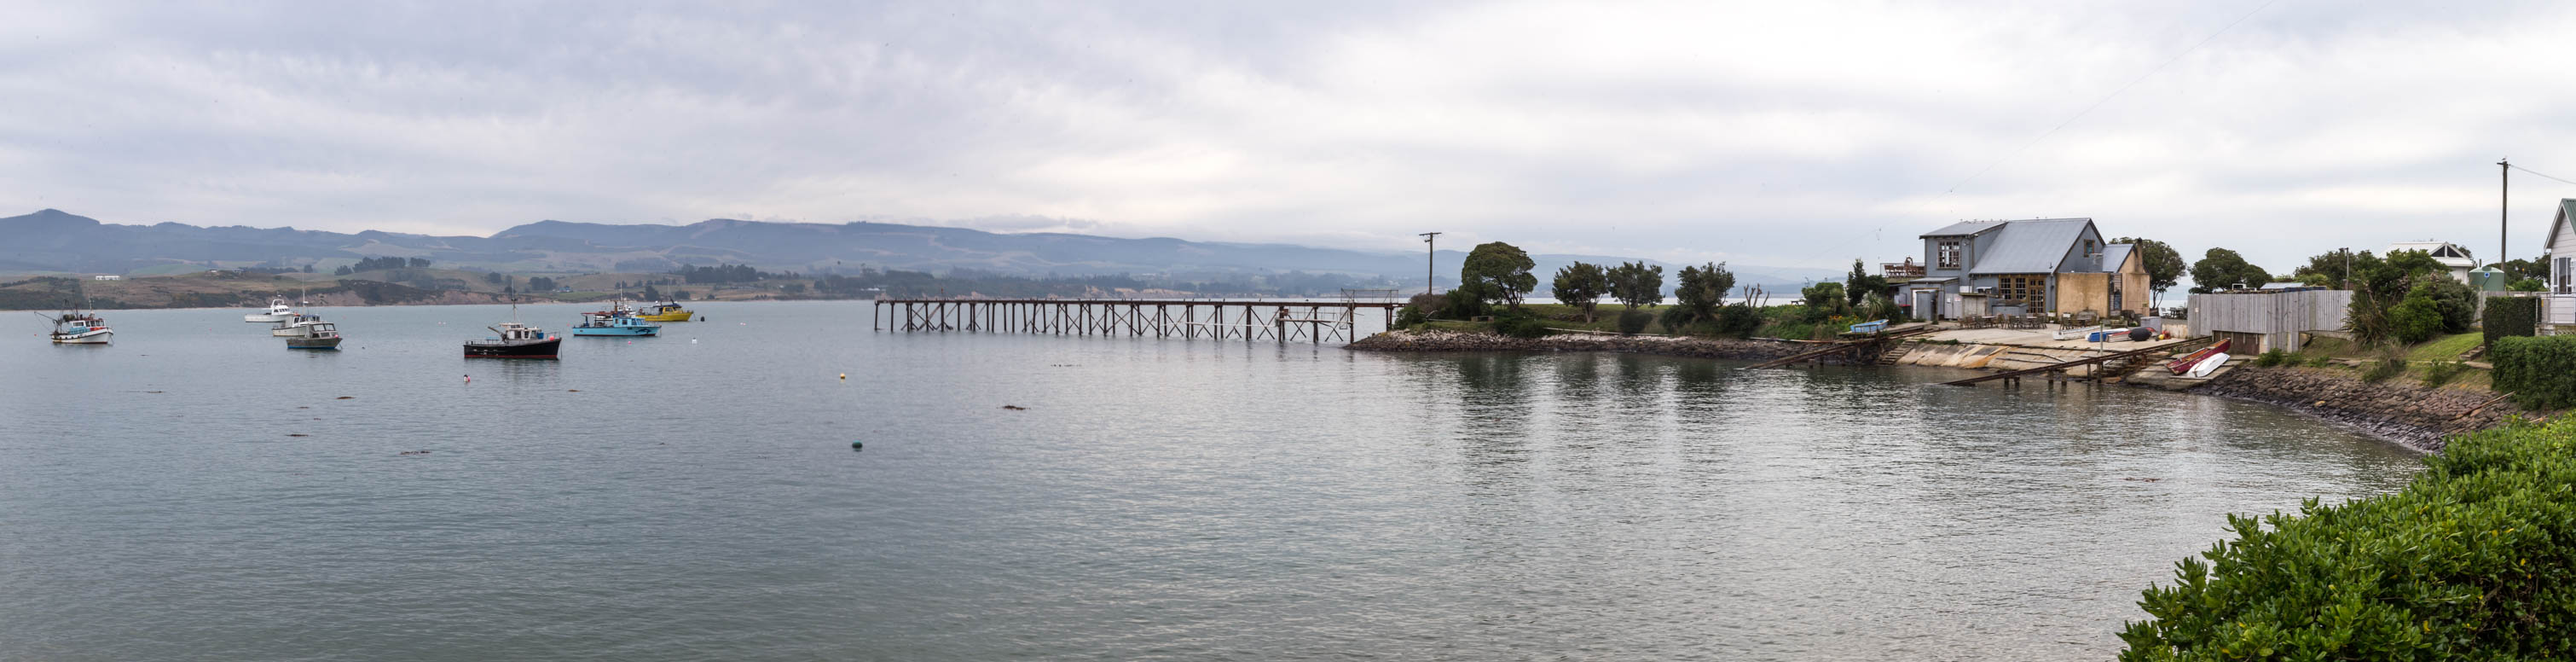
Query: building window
{"type": "Point", "coordinates": [2020, 289]}
{"type": "Point", "coordinates": [1947, 255]}
{"type": "Point", "coordinates": [2562, 276]}
{"type": "Point", "coordinates": [2092, 248]}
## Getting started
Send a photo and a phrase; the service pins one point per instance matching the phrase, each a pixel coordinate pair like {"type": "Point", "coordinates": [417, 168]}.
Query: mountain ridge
{"type": "Point", "coordinates": [55, 241]}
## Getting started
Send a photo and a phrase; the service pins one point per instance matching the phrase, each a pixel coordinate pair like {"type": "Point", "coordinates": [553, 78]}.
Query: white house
{"type": "Point", "coordinates": [107, 277]}
{"type": "Point", "coordinates": [2451, 255]}
{"type": "Point", "coordinates": [2560, 312]}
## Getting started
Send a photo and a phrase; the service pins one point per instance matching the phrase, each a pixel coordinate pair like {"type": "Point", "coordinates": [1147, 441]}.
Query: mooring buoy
{"type": "Point", "coordinates": [855, 445]}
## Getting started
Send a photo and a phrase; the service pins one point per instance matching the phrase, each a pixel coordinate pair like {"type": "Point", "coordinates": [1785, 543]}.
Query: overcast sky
{"type": "Point", "coordinates": [1796, 134]}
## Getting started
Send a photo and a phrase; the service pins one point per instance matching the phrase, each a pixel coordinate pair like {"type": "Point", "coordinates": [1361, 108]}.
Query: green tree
{"type": "Point", "coordinates": [1581, 285]}
{"type": "Point", "coordinates": [1861, 284]}
{"type": "Point", "coordinates": [1637, 284]}
{"type": "Point", "coordinates": [2221, 269]}
{"type": "Point", "coordinates": [1700, 291]}
{"type": "Point", "coordinates": [2329, 269]}
{"type": "Point", "coordinates": [1824, 300]}
{"type": "Point", "coordinates": [2164, 265]}
{"type": "Point", "coordinates": [2380, 285]}
{"type": "Point", "coordinates": [1497, 272]}
{"type": "Point", "coordinates": [2454, 300]}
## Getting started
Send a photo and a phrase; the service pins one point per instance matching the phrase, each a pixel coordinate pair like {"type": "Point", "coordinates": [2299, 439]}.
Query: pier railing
{"type": "Point", "coordinates": [1280, 320]}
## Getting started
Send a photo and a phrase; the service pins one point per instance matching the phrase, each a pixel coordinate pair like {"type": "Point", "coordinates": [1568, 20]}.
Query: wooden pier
{"type": "Point", "coordinates": [1283, 321]}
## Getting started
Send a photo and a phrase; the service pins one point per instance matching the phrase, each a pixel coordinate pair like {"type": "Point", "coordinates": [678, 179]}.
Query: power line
{"type": "Point", "coordinates": [1981, 172]}
{"type": "Point", "coordinates": [2541, 174]}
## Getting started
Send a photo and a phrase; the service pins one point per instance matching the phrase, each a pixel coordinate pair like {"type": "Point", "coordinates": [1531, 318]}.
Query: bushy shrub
{"type": "Point", "coordinates": [2540, 371]}
{"type": "Point", "coordinates": [2474, 560]}
{"type": "Point", "coordinates": [1463, 303]}
{"type": "Point", "coordinates": [1430, 304]}
{"type": "Point", "coordinates": [2273, 358]}
{"type": "Point", "coordinates": [2510, 316]}
{"type": "Point", "coordinates": [1518, 323]}
{"type": "Point", "coordinates": [1406, 317]}
{"type": "Point", "coordinates": [1633, 320]}
{"type": "Point", "coordinates": [2321, 361]}
{"type": "Point", "coordinates": [2438, 373]}
{"type": "Point", "coordinates": [1675, 319]}
{"type": "Point", "coordinates": [1738, 320]}
{"type": "Point", "coordinates": [2384, 368]}
{"type": "Point", "coordinates": [2414, 320]}
{"type": "Point", "coordinates": [2457, 304]}
{"type": "Point", "coordinates": [1878, 306]}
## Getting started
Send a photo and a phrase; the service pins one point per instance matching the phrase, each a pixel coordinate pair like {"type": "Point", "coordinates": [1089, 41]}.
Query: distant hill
{"type": "Point", "coordinates": [52, 241]}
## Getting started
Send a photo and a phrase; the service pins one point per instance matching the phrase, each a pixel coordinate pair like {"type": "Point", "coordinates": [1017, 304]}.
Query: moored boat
{"type": "Point", "coordinates": [278, 311]}
{"type": "Point", "coordinates": [2184, 364]}
{"type": "Point", "coordinates": [80, 329]}
{"type": "Point", "coordinates": [294, 326]}
{"type": "Point", "coordinates": [317, 335]}
{"type": "Point", "coordinates": [514, 341]}
{"type": "Point", "coordinates": [667, 311]}
{"type": "Point", "coordinates": [602, 324]}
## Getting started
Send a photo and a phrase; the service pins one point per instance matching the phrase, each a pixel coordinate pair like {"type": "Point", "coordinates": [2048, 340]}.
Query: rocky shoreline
{"type": "Point", "coordinates": [1461, 341]}
{"type": "Point", "coordinates": [2407, 414]}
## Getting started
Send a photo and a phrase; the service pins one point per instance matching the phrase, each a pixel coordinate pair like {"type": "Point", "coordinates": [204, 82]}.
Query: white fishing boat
{"type": "Point", "coordinates": [294, 326]}
{"type": "Point", "coordinates": [80, 329]}
{"type": "Point", "coordinates": [278, 311]}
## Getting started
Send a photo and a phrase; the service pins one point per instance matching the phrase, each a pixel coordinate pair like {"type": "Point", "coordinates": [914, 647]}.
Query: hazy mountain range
{"type": "Point", "coordinates": [52, 241]}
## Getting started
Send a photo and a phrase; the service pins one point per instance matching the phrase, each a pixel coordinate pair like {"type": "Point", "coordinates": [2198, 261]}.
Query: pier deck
{"type": "Point", "coordinates": [1217, 319]}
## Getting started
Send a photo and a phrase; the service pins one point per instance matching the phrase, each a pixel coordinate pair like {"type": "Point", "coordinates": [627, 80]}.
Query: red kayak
{"type": "Point", "coordinates": [2183, 365]}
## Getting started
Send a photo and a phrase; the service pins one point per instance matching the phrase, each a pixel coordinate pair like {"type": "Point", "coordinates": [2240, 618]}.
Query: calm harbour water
{"type": "Point", "coordinates": [1158, 499]}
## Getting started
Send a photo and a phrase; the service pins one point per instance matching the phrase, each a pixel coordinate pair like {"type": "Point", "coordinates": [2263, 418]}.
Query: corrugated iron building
{"type": "Point", "coordinates": [2254, 322]}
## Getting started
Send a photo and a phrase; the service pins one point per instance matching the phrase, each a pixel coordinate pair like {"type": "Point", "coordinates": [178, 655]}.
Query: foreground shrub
{"type": "Point", "coordinates": [2273, 358]}
{"type": "Point", "coordinates": [2474, 560]}
{"type": "Point", "coordinates": [1634, 321]}
{"type": "Point", "coordinates": [2540, 371]}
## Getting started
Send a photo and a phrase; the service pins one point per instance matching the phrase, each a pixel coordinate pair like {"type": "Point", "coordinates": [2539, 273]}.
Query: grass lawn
{"type": "Point", "coordinates": [2445, 348]}
{"type": "Point", "coordinates": [2418, 357]}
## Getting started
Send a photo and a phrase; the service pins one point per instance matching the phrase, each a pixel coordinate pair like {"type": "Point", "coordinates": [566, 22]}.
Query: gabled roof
{"type": "Point", "coordinates": [2459, 257]}
{"type": "Point", "coordinates": [1965, 228]}
{"type": "Point", "coordinates": [2115, 254]}
{"type": "Point", "coordinates": [2030, 247]}
{"type": "Point", "coordinates": [2566, 210]}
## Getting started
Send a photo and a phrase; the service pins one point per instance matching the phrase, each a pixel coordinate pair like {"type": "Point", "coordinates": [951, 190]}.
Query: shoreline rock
{"type": "Point", "coordinates": [2403, 413]}
{"type": "Point", "coordinates": [2409, 414]}
{"type": "Point", "coordinates": [1460, 341]}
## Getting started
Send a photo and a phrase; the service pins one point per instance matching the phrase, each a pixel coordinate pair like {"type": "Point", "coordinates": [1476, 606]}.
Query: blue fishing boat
{"type": "Point", "coordinates": [598, 324]}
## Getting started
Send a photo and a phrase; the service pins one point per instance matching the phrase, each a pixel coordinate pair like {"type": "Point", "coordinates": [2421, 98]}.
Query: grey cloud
{"type": "Point", "coordinates": [1798, 134]}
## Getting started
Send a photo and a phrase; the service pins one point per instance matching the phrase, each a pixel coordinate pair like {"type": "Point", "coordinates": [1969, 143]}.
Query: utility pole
{"type": "Point", "coordinates": [2504, 201]}
{"type": "Point", "coordinates": [1430, 261]}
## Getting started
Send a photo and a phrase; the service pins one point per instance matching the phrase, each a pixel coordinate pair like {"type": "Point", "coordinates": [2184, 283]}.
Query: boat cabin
{"type": "Point", "coordinates": [514, 331]}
